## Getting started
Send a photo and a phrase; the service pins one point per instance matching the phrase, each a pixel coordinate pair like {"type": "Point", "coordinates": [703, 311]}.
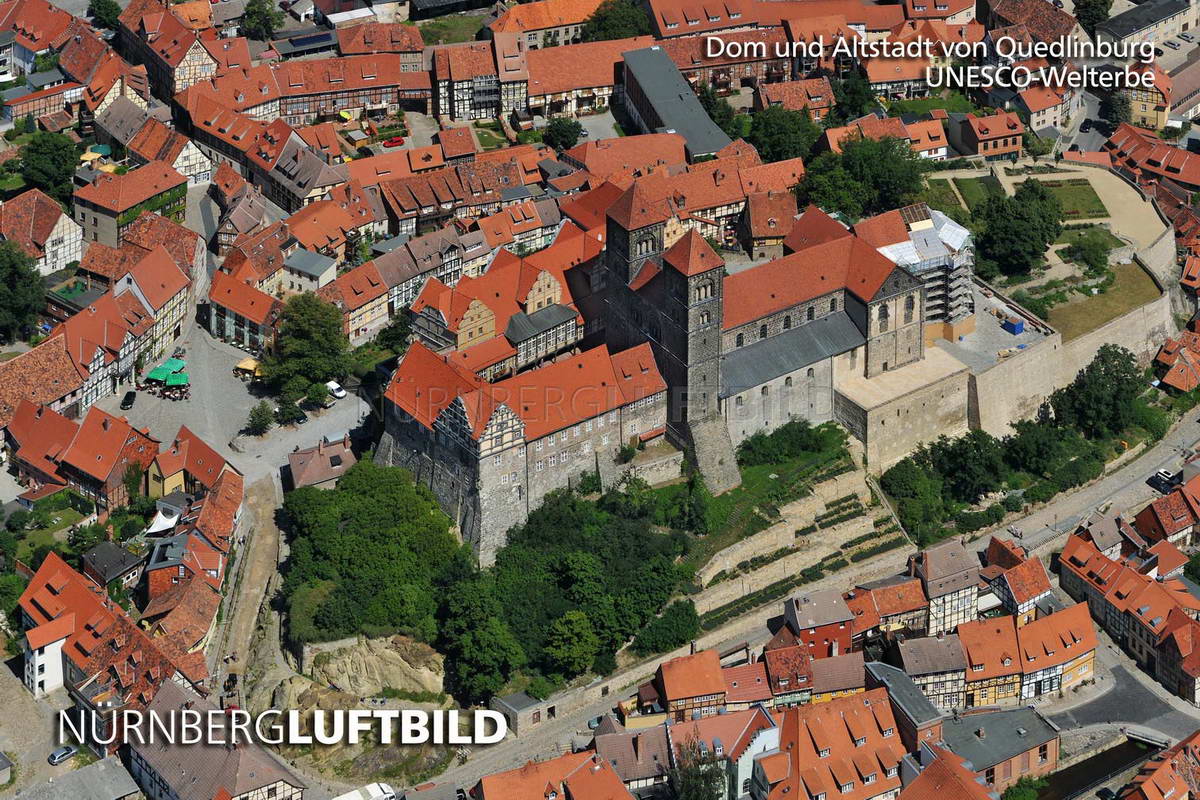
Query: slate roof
{"type": "Point", "coordinates": [198, 772]}
{"type": "Point", "coordinates": [673, 100]}
{"type": "Point", "coordinates": [764, 360]}
{"type": "Point", "coordinates": [1007, 734]}
{"type": "Point", "coordinates": [904, 694]}
{"type": "Point", "coordinates": [101, 780]}
{"type": "Point", "coordinates": [110, 560]}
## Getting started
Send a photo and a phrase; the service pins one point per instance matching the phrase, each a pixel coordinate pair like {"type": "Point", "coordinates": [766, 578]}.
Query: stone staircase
{"type": "Point", "coordinates": [714, 454]}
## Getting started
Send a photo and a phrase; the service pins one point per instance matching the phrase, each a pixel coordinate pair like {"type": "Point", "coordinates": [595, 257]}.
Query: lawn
{"type": "Point", "coordinates": [977, 190]}
{"type": "Point", "coordinates": [452, 28]}
{"type": "Point", "coordinates": [953, 101]}
{"type": "Point", "coordinates": [1132, 288]}
{"type": "Point", "coordinates": [1074, 235]}
{"type": "Point", "coordinates": [60, 520]}
{"type": "Point", "coordinates": [1079, 200]}
{"type": "Point", "coordinates": [940, 195]}
{"type": "Point", "coordinates": [489, 140]}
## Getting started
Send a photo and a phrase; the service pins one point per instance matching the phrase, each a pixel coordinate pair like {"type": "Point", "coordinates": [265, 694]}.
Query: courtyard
{"type": "Point", "coordinates": [219, 406]}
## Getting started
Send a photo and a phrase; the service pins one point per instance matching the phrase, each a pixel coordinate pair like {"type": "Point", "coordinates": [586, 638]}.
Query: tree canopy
{"type": "Point", "coordinates": [1115, 108]}
{"type": "Point", "coordinates": [104, 13]}
{"type": "Point", "coordinates": [869, 176]}
{"type": "Point", "coordinates": [22, 292]}
{"type": "Point", "coordinates": [852, 98]}
{"type": "Point", "coordinates": [48, 161]}
{"type": "Point", "coordinates": [562, 133]}
{"type": "Point", "coordinates": [1017, 230]}
{"type": "Point", "coordinates": [261, 19]}
{"type": "Point", "coordinates": [780, 134]}
{"type": "Point", "coordinates": [310, 346]}
{"type": "Point", "coordinates": [1091, 13]}
{"type": "Point", "coordinates": [615, 19]}
{"type": "Point", "coordinates": [1102, 400]}
{"type": "Point", "coordinates": [720, 111]}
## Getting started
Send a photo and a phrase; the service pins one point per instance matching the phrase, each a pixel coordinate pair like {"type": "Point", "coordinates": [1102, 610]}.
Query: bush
{"type": "Point", "coordinates": [1013, 502]}
{"type": "Point", "coordinates": [783, 444]}
{"type": "Point", "coordinates": [969, 521]}
{"type": "Point", "coordinates": [882, 547]}
{"type": "Point", "coordinates": [677, 626]}
{"type": "Point", "coordinates": [1078, 472]}
{"type": "Point", "coordinates": [1041, 492]}
{"type": "Point", "coordinates": [589, 482]}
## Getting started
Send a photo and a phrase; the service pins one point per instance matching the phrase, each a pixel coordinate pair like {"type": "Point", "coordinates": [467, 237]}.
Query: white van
{"type": "Point", "coordinates": [372, 791]}
{"type": "Point", "coordinates": [335, 390]}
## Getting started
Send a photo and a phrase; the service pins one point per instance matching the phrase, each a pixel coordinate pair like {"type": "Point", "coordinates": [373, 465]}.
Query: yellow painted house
{"type": "Point", "coordinates": [189, 465]}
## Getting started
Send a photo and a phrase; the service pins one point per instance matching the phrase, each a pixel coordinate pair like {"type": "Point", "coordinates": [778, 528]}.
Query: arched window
{"type": "Point", "coordinates": [738, 401]}
{"type": "Point", "coordinates": [741, 340]}
{"type": "Point", "coordinates": [811, 372]}
{"type": "Point", "coordinates": [883, 318]}
{"type": "Point", "coordinates": [811, 314]}
{"type": "Point", "coordinates": [644, 245]}
{"type": "Point", "coordinates": [787, 322]}
{"type": "Point", "coordinates": [704, 290]}
{"type": "Point", "coordinates": [910, 305]}
{"type": "Point", "coordinates": [766, 390]}
{"type": "Point", "coordinates": [704, 317]}
{"type": "Point", "coordinates": [787, 381]}
{"type": "Point", "coordinates": [762, 331]}
{"type": "Point", "coordinates": [833, 304]}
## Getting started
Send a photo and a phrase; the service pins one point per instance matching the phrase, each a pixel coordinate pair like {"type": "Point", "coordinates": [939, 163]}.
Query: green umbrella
{"type": "Point", "coordinates": [159, 374]}
{"type": "Point", "coordinates": [174, 364]}
{"type": "Point", "coordinates": [177, 379]}
{"type": "Point", "coordinates": [102, 149]}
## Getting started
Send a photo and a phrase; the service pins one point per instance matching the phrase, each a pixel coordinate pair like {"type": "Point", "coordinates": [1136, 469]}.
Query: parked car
{"type": "Point", "coordinates": [1058, 3]}
{"type": "Point", "coordinates": [65, 753]}
{"type": "Point", "coordinates": [1159, 483]}
{"type": "Point", "coordinates": [335, 389]}
{"type": "Point", "coordinates": [128, 400]}
{"type": "Point", "coordinates": [1172, 44]}
{"type": "Point", "coordinates": [395, 141]}
{"type": "Point", "coordinates": [1106, 794]}
{"type": "Point", "coordinates": [1158, 52]}
{"type": "Point", "coordinates": [1085, 126]}
{"type": "Point", "coordinates": [1187, 37]}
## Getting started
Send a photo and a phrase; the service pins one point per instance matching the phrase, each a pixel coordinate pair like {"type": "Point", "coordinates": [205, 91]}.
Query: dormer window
{"type": "Point", "coordinates": [823, 752]}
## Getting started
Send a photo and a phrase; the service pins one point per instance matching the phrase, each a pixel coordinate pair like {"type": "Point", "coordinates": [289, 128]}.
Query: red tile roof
{"type": "Point", "coordinates": [694, 675]}
{"type": "Point", "coordinates": [106, 444]}
{"type": "Point", "coordinates": [806, 731]}
{"type": "Point", "coordinates": [692, 255]}
{"type": "Point", "coordinates": [845, 263]}
{"type": "Point", "coordinates": [944, 778]}
{"type": "Point", "coordinates": [38, 25]}
{"type": "Point", "coordinates": [40, 435]}
{"type": "Point", "coordinates": [369, 38]}
{"type": "Point", "coordinates": [1056, 639]}
{"type": "Point", "coordinates": [156, 142]}
{"type": "Point", "coordinates": [542, 14]}
{"type": "Point", "coordinates": [992, 645]}
{"type": "Point", "coordinates": [46, 374]}
{"type": "Point", "coordinates": [352, 290]}
{"type": "Point", "coordinates": [627, 156]}
{"type": "Point", "coordinates": [746, 683]}
{"type": "Point", "coordinates": [191, 453]}
{"type": "Point", "coordinates": [242, 298]}
{"type": "Point", "coordinates": [159, 278]}
{"type": "Point", "coordinates": [28, 219]}
{"type": "Point", "coordinates": [119, 193]}
{"type": "Point", "coordinates": [812, 93]}
{"type": "Point", "coordinates": [531, 780]}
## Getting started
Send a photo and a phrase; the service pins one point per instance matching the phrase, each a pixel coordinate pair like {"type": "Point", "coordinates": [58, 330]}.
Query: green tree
{"type": "Point", "coordinates": [48, 162]}
{"type": "Point", "coordinates": [22, 292]}
{"type": "Point", "coordinates": [394, 336]}
{"type": "Point", "coordinates": [1115, 108]}
{"type": "Point", "coordinates": [677, 626]}
{"type": "Point", "coordinates": [971, 465]}
{"type": "Point", "coordinates": [1027, 788]}
{"type": "Point", "coordinates": [562, 133]}
{"type": "Point", "coordinates": [262, 417]}
{"type": "Point", "coordinates": [1091, 13]}
{"type": "Point", "coordinates": [720, 111]}
{"type": "Point", "coordinates": [829, 185]}
{"type": "Point", "coordinates": [1090, 251]}
{"type": "Point", "coordinates": [853, 98]}
{"type": "Point", "coordinates": [917, 490]}
{"type": "Point", "coordinates": [11, 588]}
{"type": "Point", "coordinates": [1035, 447]}
{"type": "Point", "coordinates": [698, 774]}
{"type": "Point", "coordinates": [132, 479]}
{"type": "Point", "coordinates": [869, 177]}
{"type": "Point", "coordinates": [615, 19]}
{"type": "Point", "coordinates": [1017, 230]}
{"type": "Point", "coordinates": [261, 19]}
{"type": "Point", "coordinates": [45, 62]}
{"type": "Point", "coordinates": [84, 537]}
{"type": "Point", "coordinates": [104, 13]}
{"type": "Point", "coordinates": [318, 394]}
{"type": "Point", "coordinates": [483, 653]}
{"type": "Point", "coordinates": [310, 346]}
{"type": "Point", "coordinates": [1102, 400]}
{"type": "Point", "coordinates": [18, 521]}
{"type": "Point", "coordinates": [1035, 145]}
{"type": "Point", "coordinates": [571, 644]}
{"type": "Point", "coordinates": [780, 134]}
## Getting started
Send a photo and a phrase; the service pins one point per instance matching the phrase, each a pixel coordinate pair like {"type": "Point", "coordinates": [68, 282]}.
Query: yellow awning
{"type": "Point", "coordinates": [89, 156]}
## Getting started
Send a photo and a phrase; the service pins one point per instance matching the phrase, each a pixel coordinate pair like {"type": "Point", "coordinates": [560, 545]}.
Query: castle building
{"type": "Point", "coordinates": [492, 451]}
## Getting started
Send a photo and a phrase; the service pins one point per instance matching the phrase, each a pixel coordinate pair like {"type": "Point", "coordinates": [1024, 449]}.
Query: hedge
{"type": "Point", "coordinates": [1040, 492]}
{"type": "Point", "coordinates": [968, 521]}
{"type": "Point", "coordinates": [882, 547]}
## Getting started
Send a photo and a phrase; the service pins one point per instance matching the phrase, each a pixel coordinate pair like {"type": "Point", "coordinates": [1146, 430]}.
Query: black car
{"type": "Point", "coordinates": [1106, 794]}
{"type": "Point", "coordinates": [128, 400]}
{"type": "Point", "coordinates": [1158, 483]}
{"type": "Point", "coordinates": [1086, 126]}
